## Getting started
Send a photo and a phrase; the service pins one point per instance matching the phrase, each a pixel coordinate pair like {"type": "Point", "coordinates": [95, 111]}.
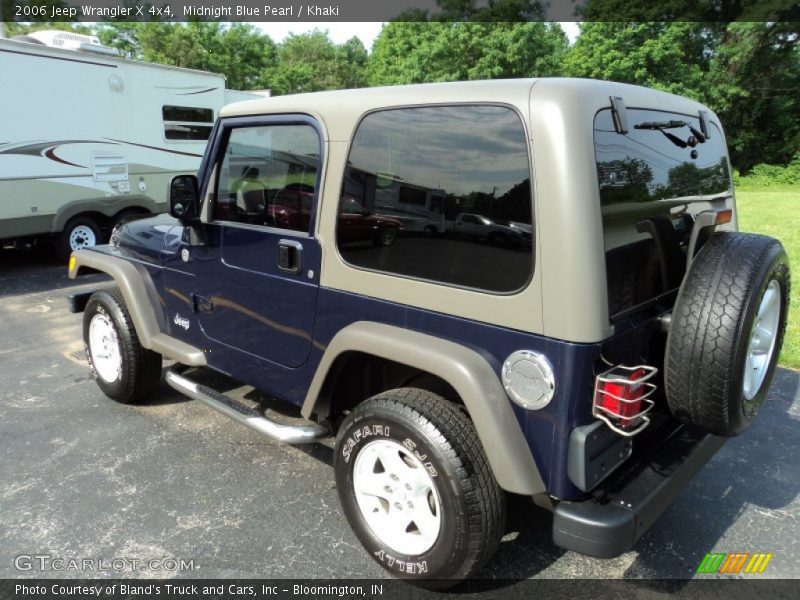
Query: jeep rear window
{"type": "Point", "coordinates": [662, 172]}
{"type": "Point", "coordinates": [412, 172]}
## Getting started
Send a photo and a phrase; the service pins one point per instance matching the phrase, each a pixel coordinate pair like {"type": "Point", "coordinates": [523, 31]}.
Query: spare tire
{"type": "Point", "coordinates": [727, 331]}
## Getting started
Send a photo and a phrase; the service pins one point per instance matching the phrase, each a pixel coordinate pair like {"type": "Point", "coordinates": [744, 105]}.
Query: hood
{"type": "Point", "coordinates": [143, 238]}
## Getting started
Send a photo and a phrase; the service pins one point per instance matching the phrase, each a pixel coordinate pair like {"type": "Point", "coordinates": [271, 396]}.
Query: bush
{"type": "Point", "coordinates": [771, 174]}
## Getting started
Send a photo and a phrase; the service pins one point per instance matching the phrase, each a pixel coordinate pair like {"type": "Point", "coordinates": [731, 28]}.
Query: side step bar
{"type": "Point", "coordinates": [289, 434]}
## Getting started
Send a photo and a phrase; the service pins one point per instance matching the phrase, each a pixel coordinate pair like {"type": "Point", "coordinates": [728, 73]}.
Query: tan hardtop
{"type": "Point", "coordinates": [339, 110]}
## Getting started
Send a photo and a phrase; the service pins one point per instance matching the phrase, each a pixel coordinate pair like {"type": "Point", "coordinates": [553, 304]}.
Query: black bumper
{"type": "Point", "coordinates": [77, 302]}
{"type": "Point", "coordinates": [606, 530]}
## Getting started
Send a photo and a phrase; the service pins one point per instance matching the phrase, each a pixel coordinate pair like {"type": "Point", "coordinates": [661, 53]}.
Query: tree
{"type": "Point", "coordinates": [420, 51]}
{"type": "Point", "coordinates": [668, 56]}
{"type": "Point", "coordinates": [311, 62]}
{"type": "Point", "coordinates": [749, 73]}
{"type": "Point", "coordinates": [754, 85]}
{"type": "Point", "coordinates": [240, 52]}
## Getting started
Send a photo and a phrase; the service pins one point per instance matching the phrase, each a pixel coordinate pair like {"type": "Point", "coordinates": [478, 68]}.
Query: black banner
{"type": "Point", "coordinates": [384, 10]}
{"type": "Point", "coordinates": [272, 589]}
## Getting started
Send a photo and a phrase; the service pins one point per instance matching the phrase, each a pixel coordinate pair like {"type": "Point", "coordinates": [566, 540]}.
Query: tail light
{"type": "Point", "coordinates": [622, 398]}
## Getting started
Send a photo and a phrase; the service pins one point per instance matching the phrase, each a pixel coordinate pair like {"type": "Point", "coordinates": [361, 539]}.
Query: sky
{"type": "Point", "coordinates": [341, 32]}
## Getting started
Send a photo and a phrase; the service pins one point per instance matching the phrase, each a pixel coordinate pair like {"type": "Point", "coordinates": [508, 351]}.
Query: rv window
{"type": "Point", "coordinates": [177, 131]}
{"type": "Point", "coordinates": [188, 113]}
{"type": "Point", "coordinates": [181, 122]}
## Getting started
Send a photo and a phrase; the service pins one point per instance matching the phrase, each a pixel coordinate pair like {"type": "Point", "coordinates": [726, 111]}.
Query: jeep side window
{"type": "Point", "coordinates": [417, 171]}
{"type": "Point", "coordinates": [268, 176]}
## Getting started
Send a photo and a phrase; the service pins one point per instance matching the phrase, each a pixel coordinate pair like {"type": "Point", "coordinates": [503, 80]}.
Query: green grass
{"type": "Point", "coordinates": [775, 211]}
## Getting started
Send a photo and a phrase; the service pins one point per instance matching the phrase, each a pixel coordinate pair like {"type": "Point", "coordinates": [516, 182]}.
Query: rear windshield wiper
{"type": "Point", "coordinates": [662, 125]}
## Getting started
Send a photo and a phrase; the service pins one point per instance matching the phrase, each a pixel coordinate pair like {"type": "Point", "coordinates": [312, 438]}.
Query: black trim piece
{"type": "Point", "coordinates": [77, 302]}
{"type": "Point", "coordinates": [606, 530]}
{"type": "Point", "coordinates": [198, 92]}
{"type": "Point", "coordinates": [85, 62]}
{"type": "Point", "coordinates": [595, 452]}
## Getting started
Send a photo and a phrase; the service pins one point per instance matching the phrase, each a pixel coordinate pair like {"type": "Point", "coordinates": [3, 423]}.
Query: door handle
{"type": "Point", "coordinates": [290, 256]}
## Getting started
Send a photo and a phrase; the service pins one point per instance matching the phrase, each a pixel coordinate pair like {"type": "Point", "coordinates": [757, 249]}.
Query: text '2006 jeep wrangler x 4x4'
{"type": "Point", "coordinates": [528, 286]}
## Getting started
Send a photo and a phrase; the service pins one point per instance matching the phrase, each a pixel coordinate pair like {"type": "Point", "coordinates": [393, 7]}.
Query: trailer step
{"type": "Point", "coordinates": [289, 434]}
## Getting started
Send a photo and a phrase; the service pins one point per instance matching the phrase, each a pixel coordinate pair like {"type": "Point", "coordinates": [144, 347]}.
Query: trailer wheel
{"type": "Point", "coordinates": [416, 487]}
{"type": "Point", "coordinates": [727, 330]}
{"type": "Point", "coordinates": [80, 232]}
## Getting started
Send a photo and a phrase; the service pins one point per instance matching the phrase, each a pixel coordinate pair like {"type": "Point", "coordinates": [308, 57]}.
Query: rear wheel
{"type": "Point", "coordinates": [727, 331]}
{"type": "Point", "coordinates": [124, 370]}
{"type": "Point", "coordinates": [416, 486]}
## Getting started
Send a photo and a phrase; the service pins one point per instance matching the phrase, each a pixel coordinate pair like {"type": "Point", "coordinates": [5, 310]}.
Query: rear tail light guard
{"type": "Point", "coordinates": [622, 398]}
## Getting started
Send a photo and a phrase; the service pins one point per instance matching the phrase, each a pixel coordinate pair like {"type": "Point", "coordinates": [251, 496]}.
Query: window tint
{"type": "Point", "coordinates": [661, 172]}
{"type": "Point", "coordinates": [181, 122]}
{"type": "Point", "coordinates": [417, 181]}
{"type": "Point", "coordinates": [268, 176]}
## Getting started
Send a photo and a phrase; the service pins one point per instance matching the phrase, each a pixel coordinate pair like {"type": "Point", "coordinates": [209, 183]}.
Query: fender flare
{"type": "Point", "coordinates": [140, 297]}
{"type": "Point", "coordinates": [469, 373]}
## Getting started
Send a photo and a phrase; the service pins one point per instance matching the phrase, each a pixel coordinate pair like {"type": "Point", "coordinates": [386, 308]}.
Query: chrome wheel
{"type": "Point", "coordinates": [397, 497]}
{"type": "Point", "coordinates": [104, 348]}
{"type": "Point", "coordinates": [763, 336]}
{"type": "Point", "coordinates": [82, 236]}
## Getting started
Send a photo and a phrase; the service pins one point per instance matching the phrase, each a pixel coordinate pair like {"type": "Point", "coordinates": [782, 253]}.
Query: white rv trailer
{"type": "Point", "coordinates": [87, 138]}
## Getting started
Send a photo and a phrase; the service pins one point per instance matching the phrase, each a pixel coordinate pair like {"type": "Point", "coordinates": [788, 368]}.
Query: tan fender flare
{"type": "Point", "coordinates": [467, 372]}
{"type": "Point", "coordinates": [134, 282]}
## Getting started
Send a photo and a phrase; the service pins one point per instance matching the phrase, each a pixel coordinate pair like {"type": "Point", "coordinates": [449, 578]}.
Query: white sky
{"type": "Point", "coordinates": [341, 32]}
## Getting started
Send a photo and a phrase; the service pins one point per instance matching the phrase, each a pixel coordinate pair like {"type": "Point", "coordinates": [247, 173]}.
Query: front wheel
{"type": "Point", "coordinates": [124, 370]}
{"type": "Point", "coordinates": [416, 487]}
{"type": "Point", "coordinates": [78, 233]}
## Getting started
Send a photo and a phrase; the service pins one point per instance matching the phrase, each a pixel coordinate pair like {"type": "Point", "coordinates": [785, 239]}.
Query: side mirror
{"type": "Point", "coordinates": [184, 201]}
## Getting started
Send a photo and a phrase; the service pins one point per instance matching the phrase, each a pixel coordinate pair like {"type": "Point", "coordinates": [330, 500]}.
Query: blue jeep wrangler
{"type": "Point", "coordinates": [533, 287]}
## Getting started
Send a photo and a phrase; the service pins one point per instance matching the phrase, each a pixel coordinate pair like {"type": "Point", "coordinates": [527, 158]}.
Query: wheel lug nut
{"type": "Point", "coordinates": [408, 486]}
{"type": "Point", "coordinates": [398, 506]}
{"type": "Point", "coordinates": [393, 477]}
{"type": "Point", "coordinates": [387, 489]}
{"type": "Point", "coordinates": [410, 505]}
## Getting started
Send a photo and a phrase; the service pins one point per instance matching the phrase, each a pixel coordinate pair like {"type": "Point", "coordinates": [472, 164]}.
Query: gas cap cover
{"type": "Point", "coordinates": [528, 379]}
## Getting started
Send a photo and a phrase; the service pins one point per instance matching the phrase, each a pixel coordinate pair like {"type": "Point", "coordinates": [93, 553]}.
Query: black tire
{"type": "Point", "coordinates": [140, 370]}
{"type": "Point", "coordinates": [708, 340]}
{"type": "Point", "coordinates": [472, 505]}
{"type": "Point", "coordinates": [63, 245]}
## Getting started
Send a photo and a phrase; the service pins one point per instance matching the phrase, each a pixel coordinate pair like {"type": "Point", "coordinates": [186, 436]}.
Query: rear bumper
{"type": "Point", "coordinates": [606, 530]}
